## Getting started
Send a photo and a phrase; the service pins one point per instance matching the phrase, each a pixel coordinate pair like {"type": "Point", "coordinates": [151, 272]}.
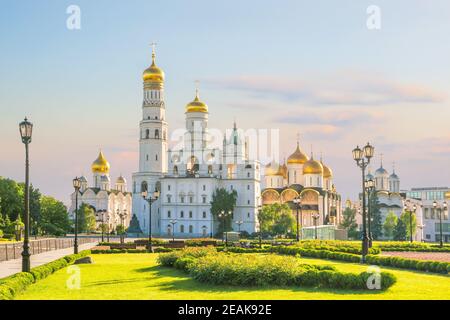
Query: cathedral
{"type": "Point", "coordinates": [187, 176]}
{"type": "Point", "coordinates": [305, 178]}
{"type": "Point", "coordinates": [111, 203]}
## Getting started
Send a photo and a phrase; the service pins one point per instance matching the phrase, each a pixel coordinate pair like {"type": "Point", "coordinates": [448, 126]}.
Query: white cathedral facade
{"type": "Point", "coordinates": [111, 203]}
{"type": "Point", "coordinates": [188, 176]}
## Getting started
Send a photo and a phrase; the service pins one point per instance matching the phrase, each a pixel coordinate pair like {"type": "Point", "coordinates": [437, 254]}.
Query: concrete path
{"type": "Point", "coordinates": [11, 267]}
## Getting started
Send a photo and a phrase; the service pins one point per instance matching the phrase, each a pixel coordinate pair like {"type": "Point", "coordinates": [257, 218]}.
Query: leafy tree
{"type": "Point", "coordinates": [54, 218]}
{"type": "Point", "coordinates": [86, 218]}
{"type": "Point", "coordinates": [277, 219]}
{"type": "Point", "coordinates": [35, 206]}
{"type": "Point", "coordinates": [349, 223]}
{"type": "Point", "coordinates": [222, 200]}
{"type": "Point", "coordinates": [407, 219]}
{"type": "Point", "coordinates": [400, 231]}
{"type": "Point", "coordinates": [376, 224]}
{"type": "Point", "coordinates": [389, 225]}
{"type": "Point", "coordinates": [11, 198]}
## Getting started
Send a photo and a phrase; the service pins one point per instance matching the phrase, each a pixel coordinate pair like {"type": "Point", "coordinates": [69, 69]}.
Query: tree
{"type": "Point", "coordinates": [376, 224]}
{"type": "Point", "coordinates": [11, 198]}
{"type": "Point", "coordinates": [407, 219]}
{"type": "Point", "coordinates": [86, 218]}
{"type": "Point", "coordinates": [222, 200]}
{"type": "Point", "coordinates": [277, 219]}
{"type": "Point", "coordinates": [400, 231]}
{"type": "Point", "coordinates": [35, 206]}
{"type": "Point", "coordinates": [389, 225]}
{"type": "Point", "coordinates": [349, 223]}
{"type": "Point", "coordinates": [54, 219]}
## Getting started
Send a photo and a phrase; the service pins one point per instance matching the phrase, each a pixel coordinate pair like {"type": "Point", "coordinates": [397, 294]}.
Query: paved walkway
{"type": "Point", "coordinates": [10, 267]}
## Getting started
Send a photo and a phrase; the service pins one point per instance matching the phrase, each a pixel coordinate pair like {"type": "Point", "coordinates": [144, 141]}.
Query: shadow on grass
{"type": "Point", "coordinates": [176, 280]}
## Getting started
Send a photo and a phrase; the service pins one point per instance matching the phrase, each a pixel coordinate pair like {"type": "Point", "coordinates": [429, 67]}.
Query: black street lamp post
{"type": "Point", "coordinates": [26, 130]}
{"type": "Point", "coordinates": [107, 225]}
{"type": "Point", "coordinates": [260, 226]}
{"type": "Point", "coordinates": [362, 158]}
{"type": "Point", "coordinates": [122, 216]}
{"type": "Point", "coordinates": [76, 186]}
{"type": "Point", "coordinates": [173, 222]}
{"type": "Point", "coordinates": [150, 200]}
{"type": "Point", "coordinates": [407, 208]}
{"type": "Point", "coordinates": [315, 217]}
{"type": "Point", "coordinates": [441, 208]}
{"type": "Point", "coordinates": [370, 187]}
{"type": "Point", "coordinates": [239, 223]}
{"type": "Point", "coordinates": [298, 205]}
{"type": "Point", "coordinates": [223, 215]}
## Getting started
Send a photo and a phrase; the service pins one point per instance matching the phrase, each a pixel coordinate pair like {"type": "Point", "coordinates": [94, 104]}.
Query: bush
{"type": "Point", "coordinates": [15, 284]}
{"type": "Point", "coordinates": [335, 246]}
{"type": "Point", "coordinates": [259, 270]}
{"type": "Point", "coordinates": [413, 264]}
{"type": "Point", "coordinates": [407, 246]}
{"type": "Point", "coordinates": [321, 254]}
{"type": "Point", "coordinates": [169, 259]}
{"type": "Point", "coordinates": [109, 251]}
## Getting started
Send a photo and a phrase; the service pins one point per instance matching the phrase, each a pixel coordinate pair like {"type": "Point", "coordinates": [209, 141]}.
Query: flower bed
{"type": "Point", "coordinates": [208, 265]}
{"type": "Point", "coordinates": [12, 285]}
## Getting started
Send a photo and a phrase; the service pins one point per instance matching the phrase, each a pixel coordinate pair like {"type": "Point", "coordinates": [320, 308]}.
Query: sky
{"type": "Point", "coordinates": [308, 68]}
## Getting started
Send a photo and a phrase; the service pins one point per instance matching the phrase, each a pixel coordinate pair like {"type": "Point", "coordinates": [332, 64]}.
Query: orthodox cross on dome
{"type": "Point", "coordinates": [381, 159]}
{"type": "Point", "coordinates": [393, 166]}
{"type": "Point", "coordinates": [197, 85]}
{"type": "Point", "coordinates": [153, 44]}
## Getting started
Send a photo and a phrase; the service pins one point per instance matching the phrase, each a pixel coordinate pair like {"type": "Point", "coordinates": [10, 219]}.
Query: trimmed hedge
{"type": "Point", "coordinates": [407, 246]}
{"type": "Point", "coordinates": [412, 264]}
{"type": "Point", "coordinates": [110, 251]}
{"type": "Point", "coordinates": [12, 285]}
{"type": "Point", "coordinates": [321, 254]}
{"type": "Point", "coordinates": [335, 245]}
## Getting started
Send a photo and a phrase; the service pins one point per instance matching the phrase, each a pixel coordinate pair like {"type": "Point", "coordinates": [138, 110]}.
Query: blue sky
{"type": "Point", "coordinates": [299, 66]}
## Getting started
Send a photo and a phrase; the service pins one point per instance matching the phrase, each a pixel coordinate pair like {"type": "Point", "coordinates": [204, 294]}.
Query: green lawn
{"type": "Point", "coordinates": [137, 276]}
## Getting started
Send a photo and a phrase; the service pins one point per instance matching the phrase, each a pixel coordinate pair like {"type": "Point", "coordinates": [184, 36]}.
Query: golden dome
{"type": "Point", "coordinates": [312, 167]}
{"type": "Point", "coordinates": [153, 74]}
{"type": "Point", "coordinates": [327, 172]}
{"type": "Point", "coordinates": [298, 157]}
{"type": "Point", "coordinates": [196, 105]}
{"type": "Point", "coordinates": [272, 170]}
{"type": "Point", "coordinates": [100, 165]}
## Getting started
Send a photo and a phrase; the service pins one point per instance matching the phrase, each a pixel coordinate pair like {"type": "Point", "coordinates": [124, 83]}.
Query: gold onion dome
{"type": "Point", "coordinates": [196, 105]}
{"type": "Point", "coordinates": [121, 179]}
{"type": "Point", "coordinates": [153, 73]}
{"type": "Point", "coordinates": [272, 170]}
{"type": "Point", "coordinates": [312, 167]}
{"type": "Point", "coordinates": [100, 165]}
{"type": "Point", "coordinates": [327, 172]}
{"type": "Point", "coordinates": [298, 157]}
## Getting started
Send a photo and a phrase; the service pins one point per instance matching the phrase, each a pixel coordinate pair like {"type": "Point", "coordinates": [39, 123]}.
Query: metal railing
{"type": "Point", "coordinates": [11, 251]}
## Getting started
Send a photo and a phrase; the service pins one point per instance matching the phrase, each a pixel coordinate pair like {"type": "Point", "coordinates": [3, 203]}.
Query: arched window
{"type": "Point", "coordinates": [191, 229]}
{"type": "Point", "coordinates": [295, 176]}
{"type": "Point", "coordinates": [169, 230]}
{"type": "Point", "coordinates": [144, 186]}
{"type": "Point", "coordinates": [210, 169]}
{"type": "Point", "coordinates": [182, 228]}
{"type": "Point", "coordinates": [175, 170]}
{"type": "Point", "coordinates": [147, 134]}
{"type": "Point", "coordinates": [204, 231]}
{"type": "Point", "coordinates": [158, 186]}
{"type": "Point", "coordinates": [134, 186]}
{"type": "Point", "coordinates": [156, 134]}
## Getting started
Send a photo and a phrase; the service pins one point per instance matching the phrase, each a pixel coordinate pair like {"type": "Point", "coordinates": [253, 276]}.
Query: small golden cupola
{"type": "Point", "coordinates": [153, 74]}
{"type": "Point", "coordinates": [327, 172]}
{"type": "Point", "coordinates": [298, 157]}
{"type": "Point", "coordinates": [196, 105]}
{"type": "Point", "coordinates": [312, 167]}
{"type": "Point", "coordinates": [100, 165]}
